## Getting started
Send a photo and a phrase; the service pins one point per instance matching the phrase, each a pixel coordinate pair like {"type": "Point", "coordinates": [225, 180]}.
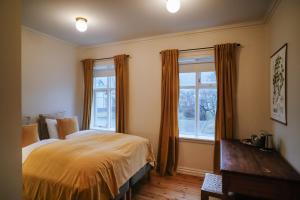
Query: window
{"type": "Point", "coordinates": [198, 99]}
{"type": "Point", "coordinates": [104, 98]}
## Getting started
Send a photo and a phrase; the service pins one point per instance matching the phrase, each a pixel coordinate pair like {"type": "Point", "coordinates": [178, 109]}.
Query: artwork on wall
{"type": "Point", "coordinates": [278, 85]}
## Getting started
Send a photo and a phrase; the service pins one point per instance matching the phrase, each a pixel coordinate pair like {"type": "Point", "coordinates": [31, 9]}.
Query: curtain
{"type": "Point", "coordinates": [88, 65]}
{"type": "Point", "coordinates": [121, 67]}
{"type": "Point", "coordinates": [225, 63]}
{"type": "Point", "coordinates": [168, 141]}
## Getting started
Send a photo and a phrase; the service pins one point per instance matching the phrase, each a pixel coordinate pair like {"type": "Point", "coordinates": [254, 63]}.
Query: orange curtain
{"type": "Point", "coordinates": [88, 65]}
{"type": "Point", "coordinates": [168, 141]}
{"type": "Point", "coordinates": [122, 78]}
{"type": "Point", "coordinates": [225, 62]}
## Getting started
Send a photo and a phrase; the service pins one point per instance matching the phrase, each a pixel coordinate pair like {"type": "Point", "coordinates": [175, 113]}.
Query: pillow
{"type": "Point", "coordinates": [43, 130]}
{"type": "Point", "coordinates": [52, 128]}
{"type": "Point", "coordinates": [67, 126]}
{"type": "Point", "coordinates": [30, 134]}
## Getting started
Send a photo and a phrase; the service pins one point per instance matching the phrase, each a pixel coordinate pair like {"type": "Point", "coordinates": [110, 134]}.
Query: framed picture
{"type": "Point", "coordinates": [278, 85]}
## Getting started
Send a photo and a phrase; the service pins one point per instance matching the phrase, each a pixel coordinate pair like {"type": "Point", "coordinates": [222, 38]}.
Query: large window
{"type": "Point", "coordinates": [198, 99]}
{"type": "Point", "coordinates": [104, 98]}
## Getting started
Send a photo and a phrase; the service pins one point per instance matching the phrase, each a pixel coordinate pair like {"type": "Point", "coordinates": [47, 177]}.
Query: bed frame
{"type": "Point", "coordinates": [126, 189]}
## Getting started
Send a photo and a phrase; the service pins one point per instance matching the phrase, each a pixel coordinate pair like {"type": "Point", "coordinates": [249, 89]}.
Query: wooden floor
{"type": "Point", "coordinates": [179, 187]}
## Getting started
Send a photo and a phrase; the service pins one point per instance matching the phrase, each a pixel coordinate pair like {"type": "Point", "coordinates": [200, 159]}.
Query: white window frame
{"type": "Point", "coordinates": [197, 68]}
{"type": "Point", "coordinates": [98, 72]}
{"type": "Point", "coordinates": [108, 90]}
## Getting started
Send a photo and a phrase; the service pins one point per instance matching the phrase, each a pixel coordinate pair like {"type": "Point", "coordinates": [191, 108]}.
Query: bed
{"type": "Point", "coordinates": [86, 165]}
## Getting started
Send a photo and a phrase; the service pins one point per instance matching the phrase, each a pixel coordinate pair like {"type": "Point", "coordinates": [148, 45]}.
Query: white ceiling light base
{"type": "Point", "coordinates": [173, 5]}
{"type": "Point", "coordinates": [81, 24]}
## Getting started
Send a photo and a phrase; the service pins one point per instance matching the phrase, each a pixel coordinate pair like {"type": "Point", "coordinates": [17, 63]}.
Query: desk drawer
{"type": "Point", "coordinates": [257, 186]}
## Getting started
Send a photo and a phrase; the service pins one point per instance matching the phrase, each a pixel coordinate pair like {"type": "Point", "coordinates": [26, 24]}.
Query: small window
{"type": "Point", "coordinates": [104, 98]}
{"type": "Point", "coordinates": [197, 100]}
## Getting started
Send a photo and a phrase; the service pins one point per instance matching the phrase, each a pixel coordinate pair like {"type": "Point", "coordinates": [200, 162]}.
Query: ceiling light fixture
{"type": "Point", "coordinates": [81, 24]}
{"type": "Point", "coordinates": [173, 5]}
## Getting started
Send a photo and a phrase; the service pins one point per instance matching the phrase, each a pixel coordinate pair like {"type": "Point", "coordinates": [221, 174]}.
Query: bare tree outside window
{"type": "Point", "coordinates": [197, 104]}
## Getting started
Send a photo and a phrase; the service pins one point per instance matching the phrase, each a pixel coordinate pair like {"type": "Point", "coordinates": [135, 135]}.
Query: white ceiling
{"type": "Point", "coordinates": [115, 20]}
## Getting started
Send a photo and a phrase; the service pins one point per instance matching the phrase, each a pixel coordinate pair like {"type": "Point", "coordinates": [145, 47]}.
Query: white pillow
{"type": "Point", "coordinates": [52, 128]}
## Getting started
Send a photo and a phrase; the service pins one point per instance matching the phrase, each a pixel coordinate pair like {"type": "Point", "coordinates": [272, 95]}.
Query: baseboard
{"type": "Point", "coordinates": [192, 171]}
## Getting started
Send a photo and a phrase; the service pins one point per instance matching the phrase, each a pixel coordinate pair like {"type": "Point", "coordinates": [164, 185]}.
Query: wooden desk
{"type": "Point", "coordinates": [250, 171]}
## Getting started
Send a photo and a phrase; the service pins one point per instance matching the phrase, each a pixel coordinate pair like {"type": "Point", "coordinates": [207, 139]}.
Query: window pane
{"type": "Point", "coordinates": [112, 81]}
{"type": "Point", "coordinates": [187, 120]}
{"type": "Point", "coordinates": [101, 109]}
{"type": "Point", "coordinates": [187, 79]}
{"type": "Point", "coordinates": [208, 77]}
{"type": "Point", "coordinates": [113, 109]}
{"type": "Point", "coordinates": [207, 111]}
{"type": "Point", "coordinates": [100, 82]}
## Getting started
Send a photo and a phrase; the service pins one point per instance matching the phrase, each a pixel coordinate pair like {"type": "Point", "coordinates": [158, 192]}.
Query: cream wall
{"type": "Point", "coordinates": [284, 27]}
{"type": "Point", "coordinates": [145, 83]}
{"type": "Point", "coordinates": [49, 75]}
{"type": "Point", "coordinates": [10, 101]}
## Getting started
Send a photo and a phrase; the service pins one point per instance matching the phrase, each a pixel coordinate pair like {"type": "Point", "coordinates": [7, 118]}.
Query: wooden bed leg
{"type": "Point", "coordinates": [128, 194]}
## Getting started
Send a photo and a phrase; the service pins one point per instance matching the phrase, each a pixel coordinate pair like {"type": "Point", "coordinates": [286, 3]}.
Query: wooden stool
{"type": "Point", "coordinates": [212, 186]}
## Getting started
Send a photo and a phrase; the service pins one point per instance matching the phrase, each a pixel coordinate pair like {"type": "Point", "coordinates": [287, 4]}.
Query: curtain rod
{"type": "Point", "coordinates": [201, 48]}
{"type": "Point", "coordinates": [107, 58]}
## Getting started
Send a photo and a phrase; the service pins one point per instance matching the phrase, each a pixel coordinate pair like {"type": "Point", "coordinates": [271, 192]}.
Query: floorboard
{"type": "Point", "coordinates": [179, 187]}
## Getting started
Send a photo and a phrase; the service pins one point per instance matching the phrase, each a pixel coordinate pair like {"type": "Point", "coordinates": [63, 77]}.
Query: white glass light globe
{"type": "Point", "coordinates": [81, 24]}
{"type": "Point", "coordinates": [173, 5]}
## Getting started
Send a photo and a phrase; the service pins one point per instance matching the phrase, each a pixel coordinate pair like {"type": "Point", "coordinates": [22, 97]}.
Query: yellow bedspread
{"type": "Point", "coordinates": [89, 167]}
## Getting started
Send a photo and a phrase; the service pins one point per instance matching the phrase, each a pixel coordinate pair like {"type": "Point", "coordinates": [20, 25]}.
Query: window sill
{"type": "Point", "coordinates": [204, 140]}
{"type": "Point", "coordinates": [103, 130]}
